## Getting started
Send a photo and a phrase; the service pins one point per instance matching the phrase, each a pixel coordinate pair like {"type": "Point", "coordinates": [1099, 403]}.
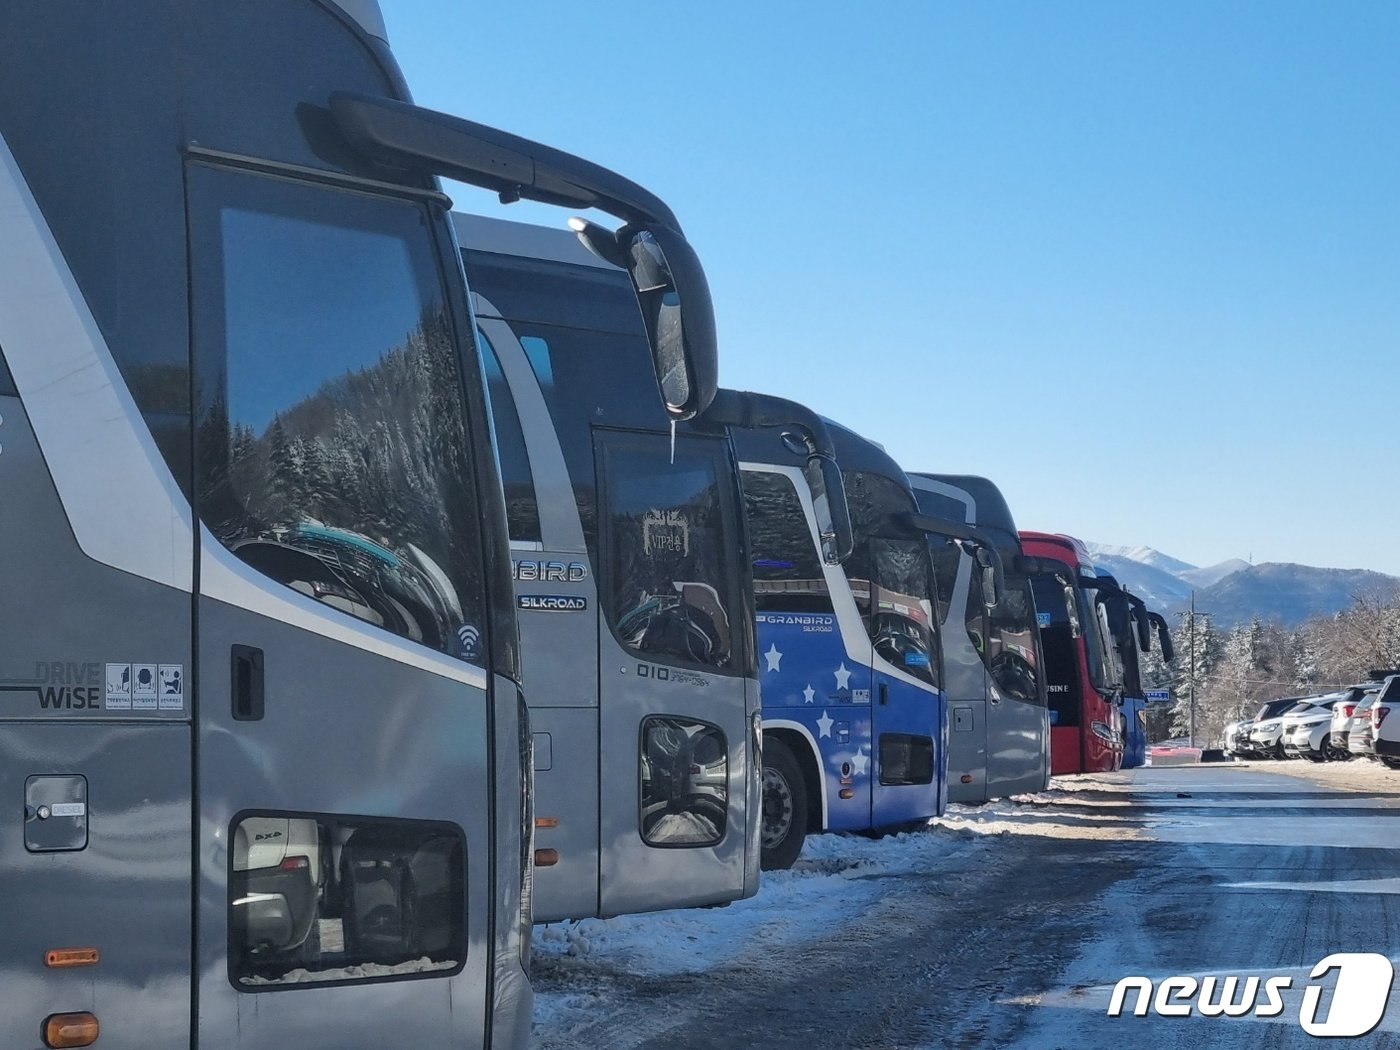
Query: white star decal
{"type": "Point", "coordinates": [824, 724]}
{"type": "Point", "coordinates": [773, 657]}
{"type": "Point", "coordinates": [860, 763]}
{"type": "Point", "coordinates": [808, 693]}
{"type": "Point", "coordinates": [843, 677]}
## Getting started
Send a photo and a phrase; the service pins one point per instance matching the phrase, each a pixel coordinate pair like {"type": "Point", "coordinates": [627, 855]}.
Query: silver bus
{"type": "Point", "coordinates": [258, 669]}
{"type": "Point", "coordinates": [632, 586]}
{"type": "Point", "coordinates": [998, 719]}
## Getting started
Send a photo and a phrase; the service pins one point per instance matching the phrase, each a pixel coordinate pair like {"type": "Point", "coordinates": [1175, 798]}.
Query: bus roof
{"type": "Point", "coordinates": [990, 511]}
{"type": "Point", "coordinates": [853, 452]}
{"type": "Point", "coordinates": [1057, 545]}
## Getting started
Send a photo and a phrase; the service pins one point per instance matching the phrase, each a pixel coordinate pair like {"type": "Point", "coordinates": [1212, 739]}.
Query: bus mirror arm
{"type": "Point", "coordinates": [804, 433]}
{"type": "Point", "coordinates": [983, 550]}
{"type": "Point", "coordinates": [408, 136]}
{"type": "Point", "coordinates": [672, 290]}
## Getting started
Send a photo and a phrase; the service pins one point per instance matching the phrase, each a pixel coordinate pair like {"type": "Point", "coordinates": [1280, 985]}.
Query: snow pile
{"type": "Point", "coordinates": [362, 970]}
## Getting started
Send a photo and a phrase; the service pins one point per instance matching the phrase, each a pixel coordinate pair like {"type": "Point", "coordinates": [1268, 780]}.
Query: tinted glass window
{"type": "Point", "coordinates": [522, 510]}
{"type": "Point", "coordinates": [669, 539]}
{"type": "Point", "coordinates": [1057, 642]}
{"type": "Point", "coordinates": [1096, 642]}
{"type": "Point", "coordinates": [7, 384]}
{"type": "Point", "coordinates": [947, 558]}
{"type": "Point", "coordinates": [787, 573]}
{"type": "Point", "coordinates": [1390, 691]}
{"type": "Point", "coordinates": [315, 899]}
{"type": "Point", "coordinates": [1011, 642]}
{"type": "Point", "coordinates": [906, 759]}
{"type": "Point", "coordinates": [1122, 635]}
{"type": "Point", "coordinates": [685, 783]}
{"type": "Point", "coordinates": [332, 446]}
{"type": "Point", "coordinates": [892, 582]}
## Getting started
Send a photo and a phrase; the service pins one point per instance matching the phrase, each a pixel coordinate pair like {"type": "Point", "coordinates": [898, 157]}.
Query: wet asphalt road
{"type": "Point", "coordinates": [1197, 870]}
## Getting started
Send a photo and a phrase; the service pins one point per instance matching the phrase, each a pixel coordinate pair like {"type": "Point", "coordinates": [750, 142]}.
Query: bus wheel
{"type": "Point", "coordinates": [1390, 763]}
{"type": "Point", "coordinates": [784, 807]}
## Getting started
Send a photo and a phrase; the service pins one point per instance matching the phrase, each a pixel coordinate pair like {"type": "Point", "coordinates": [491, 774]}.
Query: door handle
{"type": "Point", "coordinates": [247, 683]}
{"type": "Point", "coordinates": [884, 693]}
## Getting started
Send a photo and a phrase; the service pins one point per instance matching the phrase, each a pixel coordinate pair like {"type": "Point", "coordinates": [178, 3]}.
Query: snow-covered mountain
{"type": "Point", "coordinates": [1212, 574]}
{"type": "Point", "coordinates": [1143, 555]}
{"type": "Point", "coordinates": [1235, 590]}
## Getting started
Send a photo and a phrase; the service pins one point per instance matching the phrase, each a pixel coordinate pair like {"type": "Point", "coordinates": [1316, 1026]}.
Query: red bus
{"type": "Point", "coordinates": [1083, 676]}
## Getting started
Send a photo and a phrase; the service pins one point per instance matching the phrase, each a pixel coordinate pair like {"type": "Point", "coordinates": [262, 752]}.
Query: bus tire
{"type": "Point", "coordinates": [784, 816]}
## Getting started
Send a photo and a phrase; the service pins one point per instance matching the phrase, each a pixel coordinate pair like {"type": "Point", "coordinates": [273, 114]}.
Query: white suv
{"type": "Point", "coordinates": [1385, 723]}
{"type": "Point", "coordinates": [1307, 730]}
{"type": "Point", "coordinates": [1266, 735]}
{"type": "Point", "coordinates": [1346, 714]}
{"type": "Point", "coordinates": [1359, 735]}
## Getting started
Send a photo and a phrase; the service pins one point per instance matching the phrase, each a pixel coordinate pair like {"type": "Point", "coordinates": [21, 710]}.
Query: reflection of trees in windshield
{"type": "Point", "coordinates": [347, 495]}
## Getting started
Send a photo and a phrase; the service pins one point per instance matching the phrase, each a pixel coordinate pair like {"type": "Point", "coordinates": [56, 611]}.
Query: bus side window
{"type": "Point", "coordinates": [787, 574]}
{"type": "Point", "coordinates": [344, 898]}
{"type": "Point", "coordinates": [522, 506]}
{"type": "Point", "coordinates": [670, 581]}
{"type": "Point", "coordinates": [331, 446]}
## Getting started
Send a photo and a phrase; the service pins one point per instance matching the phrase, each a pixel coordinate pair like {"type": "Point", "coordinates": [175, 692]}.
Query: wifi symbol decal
{"type": "Point", "coordinates": [470, 637]}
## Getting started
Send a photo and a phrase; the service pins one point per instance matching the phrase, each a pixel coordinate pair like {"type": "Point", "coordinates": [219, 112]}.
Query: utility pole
{"type": "Point", "coordinates": [1191, 671]}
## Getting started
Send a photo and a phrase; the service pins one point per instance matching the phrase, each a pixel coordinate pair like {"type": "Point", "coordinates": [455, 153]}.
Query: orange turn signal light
{"type": "Point", "coordinates": [546, 858]}
{"type": "Point", "coordinates": [546, 822]}
{"type": "Point", "coordinates": [848, 793]}
{"type": "Point", "coordinates": [62, 958]}
{"type": "Point", "coordinates": [78, 1029]}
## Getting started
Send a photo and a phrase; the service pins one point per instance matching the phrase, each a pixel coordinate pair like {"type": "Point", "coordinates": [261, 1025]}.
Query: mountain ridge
{"type": "Point", "coordinates": [1234, 590]}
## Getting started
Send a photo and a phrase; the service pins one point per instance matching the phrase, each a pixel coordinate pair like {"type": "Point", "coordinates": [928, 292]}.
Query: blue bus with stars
{"type": "Point", "coordinates": [854, 715]}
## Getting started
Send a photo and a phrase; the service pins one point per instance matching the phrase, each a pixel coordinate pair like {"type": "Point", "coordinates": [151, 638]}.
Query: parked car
{"type": "Point", "coordinates": [1307, 729]}
{"type": "Point", "coordinates": [1266, 733]}
{"type": "Point", "coordinates": [1345, 714]}
{"type": "Point", "coordinates": [1385, 725]}
{"type": "Point", "coordinates": [1234, 737]}
{"type": "Point", "coordinates": [1360, 738]}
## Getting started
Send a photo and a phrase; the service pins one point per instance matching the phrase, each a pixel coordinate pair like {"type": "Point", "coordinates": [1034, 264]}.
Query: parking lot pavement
{"type": "Point", "coordinates": [1009, 924]}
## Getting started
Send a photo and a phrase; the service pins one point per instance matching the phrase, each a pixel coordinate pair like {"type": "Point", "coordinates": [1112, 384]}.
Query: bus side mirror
{"type": "Point", "coordinates": [989, 562]}
{"type": "Point", "coordinates": [1143, 625]}
{"type": "Point", "coordinates": [1072, 607]}
{"type": "Point", "coordinates": [674, 297]}
{"type": "Point", "coordinates": [1164, 636]}
{"type": "Point", "coordinates": [833, 514]}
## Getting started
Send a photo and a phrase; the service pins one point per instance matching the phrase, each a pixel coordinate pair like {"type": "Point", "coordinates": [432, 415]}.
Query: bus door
{"type": "Point", "coordinates": [341, 624]}
{"type": "Point", "coordinates": [557, 609]}
{"type": "Point", "coordinates": [963, 638]}
{"type": "Point", "coordinates": [1016, 719]}
{"type": "Point", "coordinates": [907, 713]}
{"type": "Point", "coordinates": [674, 668]}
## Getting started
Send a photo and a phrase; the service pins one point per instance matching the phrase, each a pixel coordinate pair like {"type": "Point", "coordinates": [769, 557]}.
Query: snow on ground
{"type": "Point", "coordinates": [1360, 774]}
{"type": "Point", "coordinates": [835, 881]}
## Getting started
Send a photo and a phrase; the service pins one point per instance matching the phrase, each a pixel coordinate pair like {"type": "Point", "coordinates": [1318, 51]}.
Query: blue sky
{"type": "Point", "coordinates": [1138, 264]}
